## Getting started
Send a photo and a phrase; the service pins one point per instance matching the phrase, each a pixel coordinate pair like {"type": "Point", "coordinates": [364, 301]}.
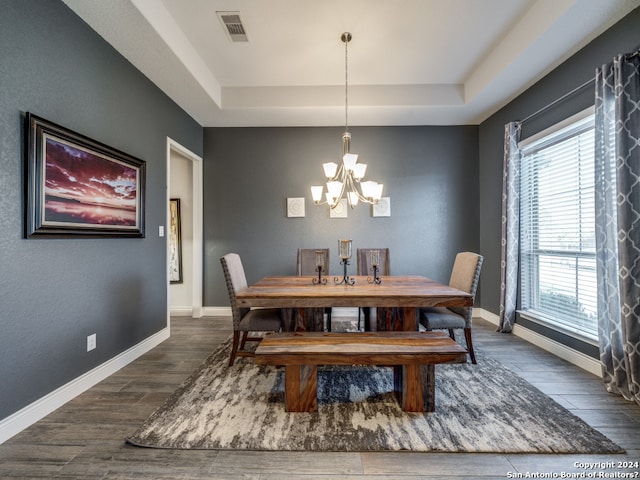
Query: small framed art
{"type": "Point", "coordinates": [382, 208]}
{"type": "Point", "coordinates": [295, 207]}
{"type": "Point", "coordinates": [340, 210]}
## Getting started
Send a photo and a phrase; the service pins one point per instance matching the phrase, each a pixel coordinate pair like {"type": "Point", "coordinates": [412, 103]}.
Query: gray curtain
{"type": "Point", "coordinates": [618, 223]}
{"type": "Point", "coordinates": [510, 227]}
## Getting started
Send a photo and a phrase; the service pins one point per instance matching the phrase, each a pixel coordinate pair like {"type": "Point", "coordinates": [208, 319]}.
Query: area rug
{"type": "Point", "coordinates": [479, 408]}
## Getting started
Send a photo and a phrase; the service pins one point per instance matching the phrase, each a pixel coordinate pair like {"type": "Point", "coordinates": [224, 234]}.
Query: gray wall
{"type": "Point", "coordinates": [430, 173]}
{"type": "Point", "coordinates": [53, 293]}
{"type": "Point", "coordinates": [621, 38]}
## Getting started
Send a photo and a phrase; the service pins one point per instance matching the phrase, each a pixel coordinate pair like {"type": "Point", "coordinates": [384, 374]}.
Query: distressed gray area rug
{"type": "Point", "coordinates": [479, 408]}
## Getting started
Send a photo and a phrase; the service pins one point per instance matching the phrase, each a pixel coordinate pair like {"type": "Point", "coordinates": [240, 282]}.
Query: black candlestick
{"type": "Point", "coordinates": [319, 280]}
{"type": "Point", "coordinates": [376, 279]}
{"type": "Point", "coordinates": [345, 279]}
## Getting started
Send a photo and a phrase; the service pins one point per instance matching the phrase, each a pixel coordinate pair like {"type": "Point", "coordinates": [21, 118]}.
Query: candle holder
{"type": "Point", "coordinates": [376, 279]}
{"type": "Point", "coordinates": [375, 262]}
{"type": "Point", "coordinates": [346, 279]}
{"type": "Point", "coordinates": [320, 280]}
{"type": "Point", "coordinates": [344, 247]}
{"type": "Point", "coordinates": [319, 268]}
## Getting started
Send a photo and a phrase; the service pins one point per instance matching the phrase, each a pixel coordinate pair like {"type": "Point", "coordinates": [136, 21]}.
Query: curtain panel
{"type": "Point", "coordinates": [617, 202]}
{"type": "Point", "coordinates": [510, 241]}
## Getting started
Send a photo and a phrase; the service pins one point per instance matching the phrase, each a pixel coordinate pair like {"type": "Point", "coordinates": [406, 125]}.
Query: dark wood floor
{"type": "Point", "coordinates": [84, 438]}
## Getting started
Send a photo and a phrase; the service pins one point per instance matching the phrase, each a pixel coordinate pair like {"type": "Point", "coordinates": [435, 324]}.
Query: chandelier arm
{"type": "Point", "coordinates": [362, 197]}
{"type": "Point", "coordinates": [352, 188]}
{"type": "Point", "coordinates": [365, 199]}
{"type": "Point", "coordinates": [339, 174]}
{"type": "Point", "coordinates": [344, 186]}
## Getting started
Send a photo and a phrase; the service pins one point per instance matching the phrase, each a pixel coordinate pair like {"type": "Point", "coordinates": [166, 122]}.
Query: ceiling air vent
{"type": "Point", "coordinates": [233, 26]}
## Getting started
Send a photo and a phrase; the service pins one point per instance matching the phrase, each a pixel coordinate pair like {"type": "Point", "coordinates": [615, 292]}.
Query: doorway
{"type": "Point", "coordinates": [184, 178]}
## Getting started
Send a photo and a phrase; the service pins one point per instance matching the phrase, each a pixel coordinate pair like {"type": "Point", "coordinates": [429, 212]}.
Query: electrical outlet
{"type": "Point", "coordinates": [91, 342]}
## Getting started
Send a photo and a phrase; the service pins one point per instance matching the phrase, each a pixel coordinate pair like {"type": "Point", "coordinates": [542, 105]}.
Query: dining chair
{"type": "Point", "coordinates": [365, 267]}
{"type": "Point", "coordinates": [464, 276]}
{"type": "Point", "coordinates": [307, 265]}
{"type": "Point", "coordinates": [245, 320]}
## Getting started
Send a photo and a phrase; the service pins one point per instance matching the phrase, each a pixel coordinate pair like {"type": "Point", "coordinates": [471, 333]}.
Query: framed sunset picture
{"type": "Point", "coordinates": [80, 187]}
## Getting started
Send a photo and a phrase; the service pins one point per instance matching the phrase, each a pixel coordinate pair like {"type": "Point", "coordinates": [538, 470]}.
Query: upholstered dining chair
{"type": "Point", "coordinates": [245, 320]}
{"type": "Point", "coordinates": [464, 276]}
{"type": "Point", "coordinates": [306, 265]}
{"type": "Point", "coordinates": [365, 267]}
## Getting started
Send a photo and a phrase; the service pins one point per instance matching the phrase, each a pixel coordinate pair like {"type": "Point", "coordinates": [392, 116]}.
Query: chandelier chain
{"type": "Point", "coordinates": [346, 84]}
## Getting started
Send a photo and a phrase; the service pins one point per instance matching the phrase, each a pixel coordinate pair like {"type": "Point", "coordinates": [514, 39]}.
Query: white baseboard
{"type": "Point", "coordinates": [216, 311]}
{"type": "Point", "coordinates": [42, 407]}
{"type": "Point", "coordinates": [486, 315]}
{"type": "Point", "coordinates": [575, 357]}
{"type": "Point", "coordinates": [344, 311]}
{"type": "Point", "coordinates": [193, 312]}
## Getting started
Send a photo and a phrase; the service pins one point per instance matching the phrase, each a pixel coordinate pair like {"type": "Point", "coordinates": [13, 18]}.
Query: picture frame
{"type": "Point", "coordinates": [175, 242]}
{"type": "Point", "coordinates": [382, 208]}
{"type": "Point", "coordinates": [295, 207]}
{"type": "Point", "coordinates": [340, 210]}
{"type": "Point", "coordinates": [79, 187]}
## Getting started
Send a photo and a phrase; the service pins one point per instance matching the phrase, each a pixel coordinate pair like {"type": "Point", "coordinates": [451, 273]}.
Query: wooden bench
{"type": "Point", "coordinates": [412, 354]}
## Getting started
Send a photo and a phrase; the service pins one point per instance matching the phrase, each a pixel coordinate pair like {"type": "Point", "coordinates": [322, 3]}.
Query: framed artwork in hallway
{"type": "Point", "coordinates": [175, 242]}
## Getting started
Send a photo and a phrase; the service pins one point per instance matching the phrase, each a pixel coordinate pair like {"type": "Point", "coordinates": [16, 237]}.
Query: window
{"type": "Point", "coordinates": [557, 227]}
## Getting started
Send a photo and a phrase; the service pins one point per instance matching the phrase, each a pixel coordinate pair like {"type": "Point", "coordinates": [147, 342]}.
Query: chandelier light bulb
{"type": "Point", "coordinates": [330, 169]}
{"type": "Point", "coordinates": [350, 160]}
{"type": "Point", "coordinates": [316, 193]}
{"type": "Point", "coordinates": [359, 170]}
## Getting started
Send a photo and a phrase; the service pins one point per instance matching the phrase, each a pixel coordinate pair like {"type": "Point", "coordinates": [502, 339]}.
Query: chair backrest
{"type": "Point", "coordinates": [465, 276]}
{"type": "Point", "coordinates": [466, 272]}
{"type": "Point", "coordinates": [235, 279]}
{"type": "Point", "coordinates": [306, 264]}
{"type": "Point", "coordinates": [364, 261]}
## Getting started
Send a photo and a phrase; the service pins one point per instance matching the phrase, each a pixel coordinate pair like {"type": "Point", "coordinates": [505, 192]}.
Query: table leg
{"type": "Point", "coordinates": [412, 400]}
{"type": "Point", "coordinates": [301, 388]}
{"type": "Point", "coordinates": [288, 316]}
{"type": "Point", "coordinates": [389, 319]}
{"type": "Point", "coordinates": [409, 320]}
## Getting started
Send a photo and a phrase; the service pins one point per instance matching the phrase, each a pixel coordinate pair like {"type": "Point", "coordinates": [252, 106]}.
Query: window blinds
{"type": "Point", "coordinates": [557, 227]}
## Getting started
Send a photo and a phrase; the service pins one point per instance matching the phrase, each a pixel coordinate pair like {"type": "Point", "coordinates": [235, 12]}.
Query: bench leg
{"type": "Point", "coordinates": [301, 388]}
{"type": "Point", "coordinates": [429, 387]}
{"type": "Point", "coordinates": [411, 388]}
{"type": "Point", "coordinates": [414, 386]}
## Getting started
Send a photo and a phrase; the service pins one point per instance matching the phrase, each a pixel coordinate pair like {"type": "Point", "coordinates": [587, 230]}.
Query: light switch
{"type": "Point", "coordinates": [161, 231]}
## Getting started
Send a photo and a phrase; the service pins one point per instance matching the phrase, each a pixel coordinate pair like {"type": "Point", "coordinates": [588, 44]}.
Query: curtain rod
{"type": "Point", "coordinates": [634, 52]}
{"type": "Point", "coordinates": [558, 100]}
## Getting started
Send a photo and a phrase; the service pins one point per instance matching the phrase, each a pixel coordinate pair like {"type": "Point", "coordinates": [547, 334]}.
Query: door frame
{"type": "Point", "coordinates": [198, 244]}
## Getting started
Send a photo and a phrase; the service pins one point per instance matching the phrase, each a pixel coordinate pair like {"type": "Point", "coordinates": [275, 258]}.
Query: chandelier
{"type": "Point", "coordinates": [347, 177]}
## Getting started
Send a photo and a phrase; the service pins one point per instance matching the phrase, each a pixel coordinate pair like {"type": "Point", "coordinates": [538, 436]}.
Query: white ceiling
{"type": "Point", "coordinates": [411, 62]}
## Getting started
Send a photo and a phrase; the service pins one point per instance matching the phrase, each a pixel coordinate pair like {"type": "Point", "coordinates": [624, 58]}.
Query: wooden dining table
{"type": "Point", "coordinates": [397, 295]}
